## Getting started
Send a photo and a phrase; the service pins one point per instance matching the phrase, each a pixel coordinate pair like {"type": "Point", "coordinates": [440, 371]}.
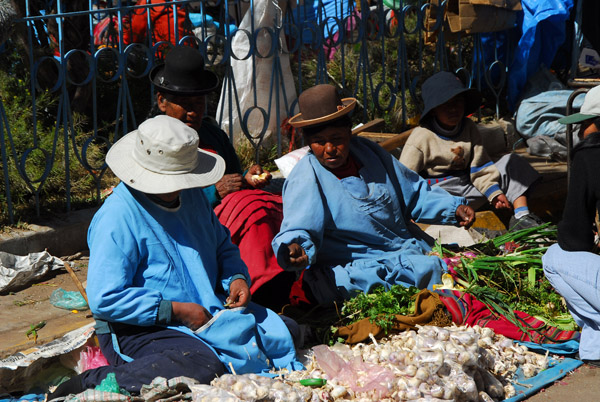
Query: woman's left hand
{"type": "Point", "coordinates": [256, 177]}
{"type": "Point", "coordinates": [465, 216]}
{"type": "Point", "coordinates": [239, 294]}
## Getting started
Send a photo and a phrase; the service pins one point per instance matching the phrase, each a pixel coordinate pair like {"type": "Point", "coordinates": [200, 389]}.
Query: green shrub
{"type": "Point", "coordinates": [40, 178]}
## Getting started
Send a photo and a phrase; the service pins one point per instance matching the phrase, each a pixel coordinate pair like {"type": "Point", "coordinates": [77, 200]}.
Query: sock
{"type": "Point", "coordinates": [521, 212]}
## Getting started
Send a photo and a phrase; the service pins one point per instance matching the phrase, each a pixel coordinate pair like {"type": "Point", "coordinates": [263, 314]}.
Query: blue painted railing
{"type": "Point", "coordinates": [269, 52]}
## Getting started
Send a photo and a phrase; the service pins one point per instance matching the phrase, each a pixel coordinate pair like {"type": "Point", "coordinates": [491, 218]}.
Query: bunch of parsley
{"type": "Point", "coordinates": [380, 306]}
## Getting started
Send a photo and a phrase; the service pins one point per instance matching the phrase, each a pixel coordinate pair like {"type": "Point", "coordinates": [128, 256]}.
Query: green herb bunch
{"type": "Point", "coordinates": [380, 306]}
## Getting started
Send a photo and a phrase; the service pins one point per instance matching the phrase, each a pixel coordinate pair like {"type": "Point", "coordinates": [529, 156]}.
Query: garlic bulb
{"type": "Point", "coordinates": [453, 363]}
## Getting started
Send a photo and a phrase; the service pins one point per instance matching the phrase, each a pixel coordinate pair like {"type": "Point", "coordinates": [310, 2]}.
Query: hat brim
{"type": "Point", "coordinates": [347, 103]}
{"type": "Point", "coordinates": [576, 118]}
{"type": "Point", "coordinates": [119, 158]}
{"type": "Point", "coordinates": [210, 79]}
{"type": "Point", "coordinates": [472, 101]}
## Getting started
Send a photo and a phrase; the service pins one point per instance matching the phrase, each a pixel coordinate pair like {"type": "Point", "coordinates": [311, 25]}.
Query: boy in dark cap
{"type": "Point", "coordinates": [448, 151]}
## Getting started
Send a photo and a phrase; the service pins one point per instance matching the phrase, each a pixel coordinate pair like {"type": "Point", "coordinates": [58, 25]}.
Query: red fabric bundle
{"type": "Point", "coordinates": [253, 217]}
{"type": "Point", "coordinates": [467, 310]}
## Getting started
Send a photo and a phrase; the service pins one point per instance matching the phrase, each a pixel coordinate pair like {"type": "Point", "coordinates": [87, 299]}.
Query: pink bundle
{"type": "Point", "coordinates": [90, 357]}
{"type": "Point", "coordinates": [373, 377]}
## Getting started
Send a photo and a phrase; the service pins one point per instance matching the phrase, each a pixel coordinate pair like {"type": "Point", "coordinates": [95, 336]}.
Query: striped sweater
{"type": "Point", "coordinates": [439, 158]}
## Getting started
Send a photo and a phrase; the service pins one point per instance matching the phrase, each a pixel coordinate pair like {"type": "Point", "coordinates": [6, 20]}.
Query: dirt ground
{"type": "Point", "coordinates": [30, 306]}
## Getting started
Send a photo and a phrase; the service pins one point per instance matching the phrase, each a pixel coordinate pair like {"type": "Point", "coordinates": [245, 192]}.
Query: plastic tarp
{"type": "Point", "coordinates": [563, 348]}
{"type": "Point", "coordinates": [557, 369]}
{"type": "Point", "coordinates": [543, 32]}
{"type": "Point", "coordinates": [18, 271]}
{"type": "Point", "coordinates": [318, 11]}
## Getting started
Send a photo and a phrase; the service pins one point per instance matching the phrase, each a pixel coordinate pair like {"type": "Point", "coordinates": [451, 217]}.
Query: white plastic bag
{"type": "Point", "coordinates": [286, 163]}
{"type": "Point", "coordinates": [17, 271]}
{"type": "Point", "coordinates": [265, 13]}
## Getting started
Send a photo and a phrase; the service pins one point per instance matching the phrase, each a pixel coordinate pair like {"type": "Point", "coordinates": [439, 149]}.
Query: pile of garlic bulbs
{"type": "Point", "coordinates": [251, 387]}
{"type": "Point", "coordinates": [453, 363]}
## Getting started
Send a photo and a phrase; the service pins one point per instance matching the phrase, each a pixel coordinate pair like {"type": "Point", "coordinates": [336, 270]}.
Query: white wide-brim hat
{"type": "Point", "coordinates": [162, 156]}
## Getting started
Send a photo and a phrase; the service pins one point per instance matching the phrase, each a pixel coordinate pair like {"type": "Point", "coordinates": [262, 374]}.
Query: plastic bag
{"type": "Point", "coordinates": [68, 300]}
{"type": "Point", "coordinates": [254, 85]}
{"type": "Point", "coordinates": [109, 384]}
{"type": "Point", "coordinates": [548, 147]}
{"type": "Point", "coordinates": [91, 357]}
{"type": "Point", "coordinates": [286, 163]}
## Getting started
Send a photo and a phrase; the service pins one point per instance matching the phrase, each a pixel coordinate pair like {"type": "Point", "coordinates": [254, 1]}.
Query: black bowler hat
{"type": "Point", "coordinates": [183, 73]}
{"type": "Point", "coordinates": [443, 86]}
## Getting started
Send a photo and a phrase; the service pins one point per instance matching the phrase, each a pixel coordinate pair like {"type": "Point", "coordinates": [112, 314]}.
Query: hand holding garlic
{"type": "Point", "coordinates": [256, 177]}
{"type": "Point", "coordinates": [239, 294]}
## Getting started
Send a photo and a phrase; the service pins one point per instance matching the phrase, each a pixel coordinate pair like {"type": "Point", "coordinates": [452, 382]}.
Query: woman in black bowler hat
{"type": "Point", "coordinates": [181, 84]}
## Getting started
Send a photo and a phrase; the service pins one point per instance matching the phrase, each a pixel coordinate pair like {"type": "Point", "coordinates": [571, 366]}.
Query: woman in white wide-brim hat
{"type": "Point", "coordinates": [162, 269]}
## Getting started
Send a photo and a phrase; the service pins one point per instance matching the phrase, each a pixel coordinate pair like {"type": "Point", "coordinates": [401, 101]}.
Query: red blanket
{"type": "Point", "coordinates": [253, 217]}
{"type": "Point", "coordinates": [467, 310]}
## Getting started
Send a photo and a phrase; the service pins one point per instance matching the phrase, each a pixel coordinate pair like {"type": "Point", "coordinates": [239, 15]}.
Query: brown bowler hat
{"type": "Point", "coordinates": [319, 105]}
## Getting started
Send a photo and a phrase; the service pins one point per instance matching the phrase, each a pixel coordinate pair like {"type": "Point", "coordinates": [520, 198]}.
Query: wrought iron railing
{"type": "Point", "coordinates": [262, 61]}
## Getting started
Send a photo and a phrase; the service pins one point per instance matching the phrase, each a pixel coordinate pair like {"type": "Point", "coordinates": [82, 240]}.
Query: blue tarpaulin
{"type": "Point", "coordinates": [563, 348]}
{"type": "Point", "coordinates": [557, 369]}
{"type": "Point", "coordinates": [314, 12]}
{"type": "Point", "coordinates": [542, 33]}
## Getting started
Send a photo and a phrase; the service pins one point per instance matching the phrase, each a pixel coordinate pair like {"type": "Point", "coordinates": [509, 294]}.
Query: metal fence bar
{"type": "Point", "coordinates": [283, 47]}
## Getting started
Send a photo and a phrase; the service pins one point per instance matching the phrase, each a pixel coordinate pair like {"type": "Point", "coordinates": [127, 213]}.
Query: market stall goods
{"type": "Point", "coordinates": [435, 363]}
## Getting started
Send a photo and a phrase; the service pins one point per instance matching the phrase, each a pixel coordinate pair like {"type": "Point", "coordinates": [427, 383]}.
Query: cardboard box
{"type": "Point", "coordinates": [471, 16]}
{"type": "Point", "coordinates": [476, 16]}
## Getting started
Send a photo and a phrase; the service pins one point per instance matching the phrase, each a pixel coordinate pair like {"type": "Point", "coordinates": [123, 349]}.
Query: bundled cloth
{"type": "Point", "coordinates": [462, 309]}
{"type": "Point", "coordinates": [427, 309]}
{"type": "Point", "coordinates": [467, 310]}
{"type": "Point", "coordinates": [253, 217]}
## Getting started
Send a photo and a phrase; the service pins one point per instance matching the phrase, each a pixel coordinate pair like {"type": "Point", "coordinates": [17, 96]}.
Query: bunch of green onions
{"type": "Point", "coordinates": [506, 274]}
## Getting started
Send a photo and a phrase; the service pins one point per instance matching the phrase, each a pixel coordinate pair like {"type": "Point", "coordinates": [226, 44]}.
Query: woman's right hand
{"type": "Point", "coordinates": [297, 256]}
{"type": "Point", "coordinates": [191, 315]}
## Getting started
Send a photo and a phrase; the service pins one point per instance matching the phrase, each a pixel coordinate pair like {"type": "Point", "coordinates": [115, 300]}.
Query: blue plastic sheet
{"type": "Point", "coordinates": [27, 398]}
{"type": "Point", "coordinates": [319, 11]}
{"type": "Point", "coordinates": [564, 348]}
{"type": "Point", "coordinates": [557, 369]}
{"type": "Point", "coordinates": [543, 32]}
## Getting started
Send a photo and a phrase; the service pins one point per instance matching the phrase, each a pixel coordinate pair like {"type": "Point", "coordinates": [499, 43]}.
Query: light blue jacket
{"type": "Point", "coordinates": [143, 256]}
{"type": "Point", "coordinates": [361, 226]}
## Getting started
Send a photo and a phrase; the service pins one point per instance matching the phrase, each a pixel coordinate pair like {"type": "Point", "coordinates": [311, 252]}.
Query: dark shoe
{"type": "Point", "coordinates": [525, 222]}
{"type": "Point", "coordinates": [595, 363]}
{"type": "Point", "coordinates": [71, 386]}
